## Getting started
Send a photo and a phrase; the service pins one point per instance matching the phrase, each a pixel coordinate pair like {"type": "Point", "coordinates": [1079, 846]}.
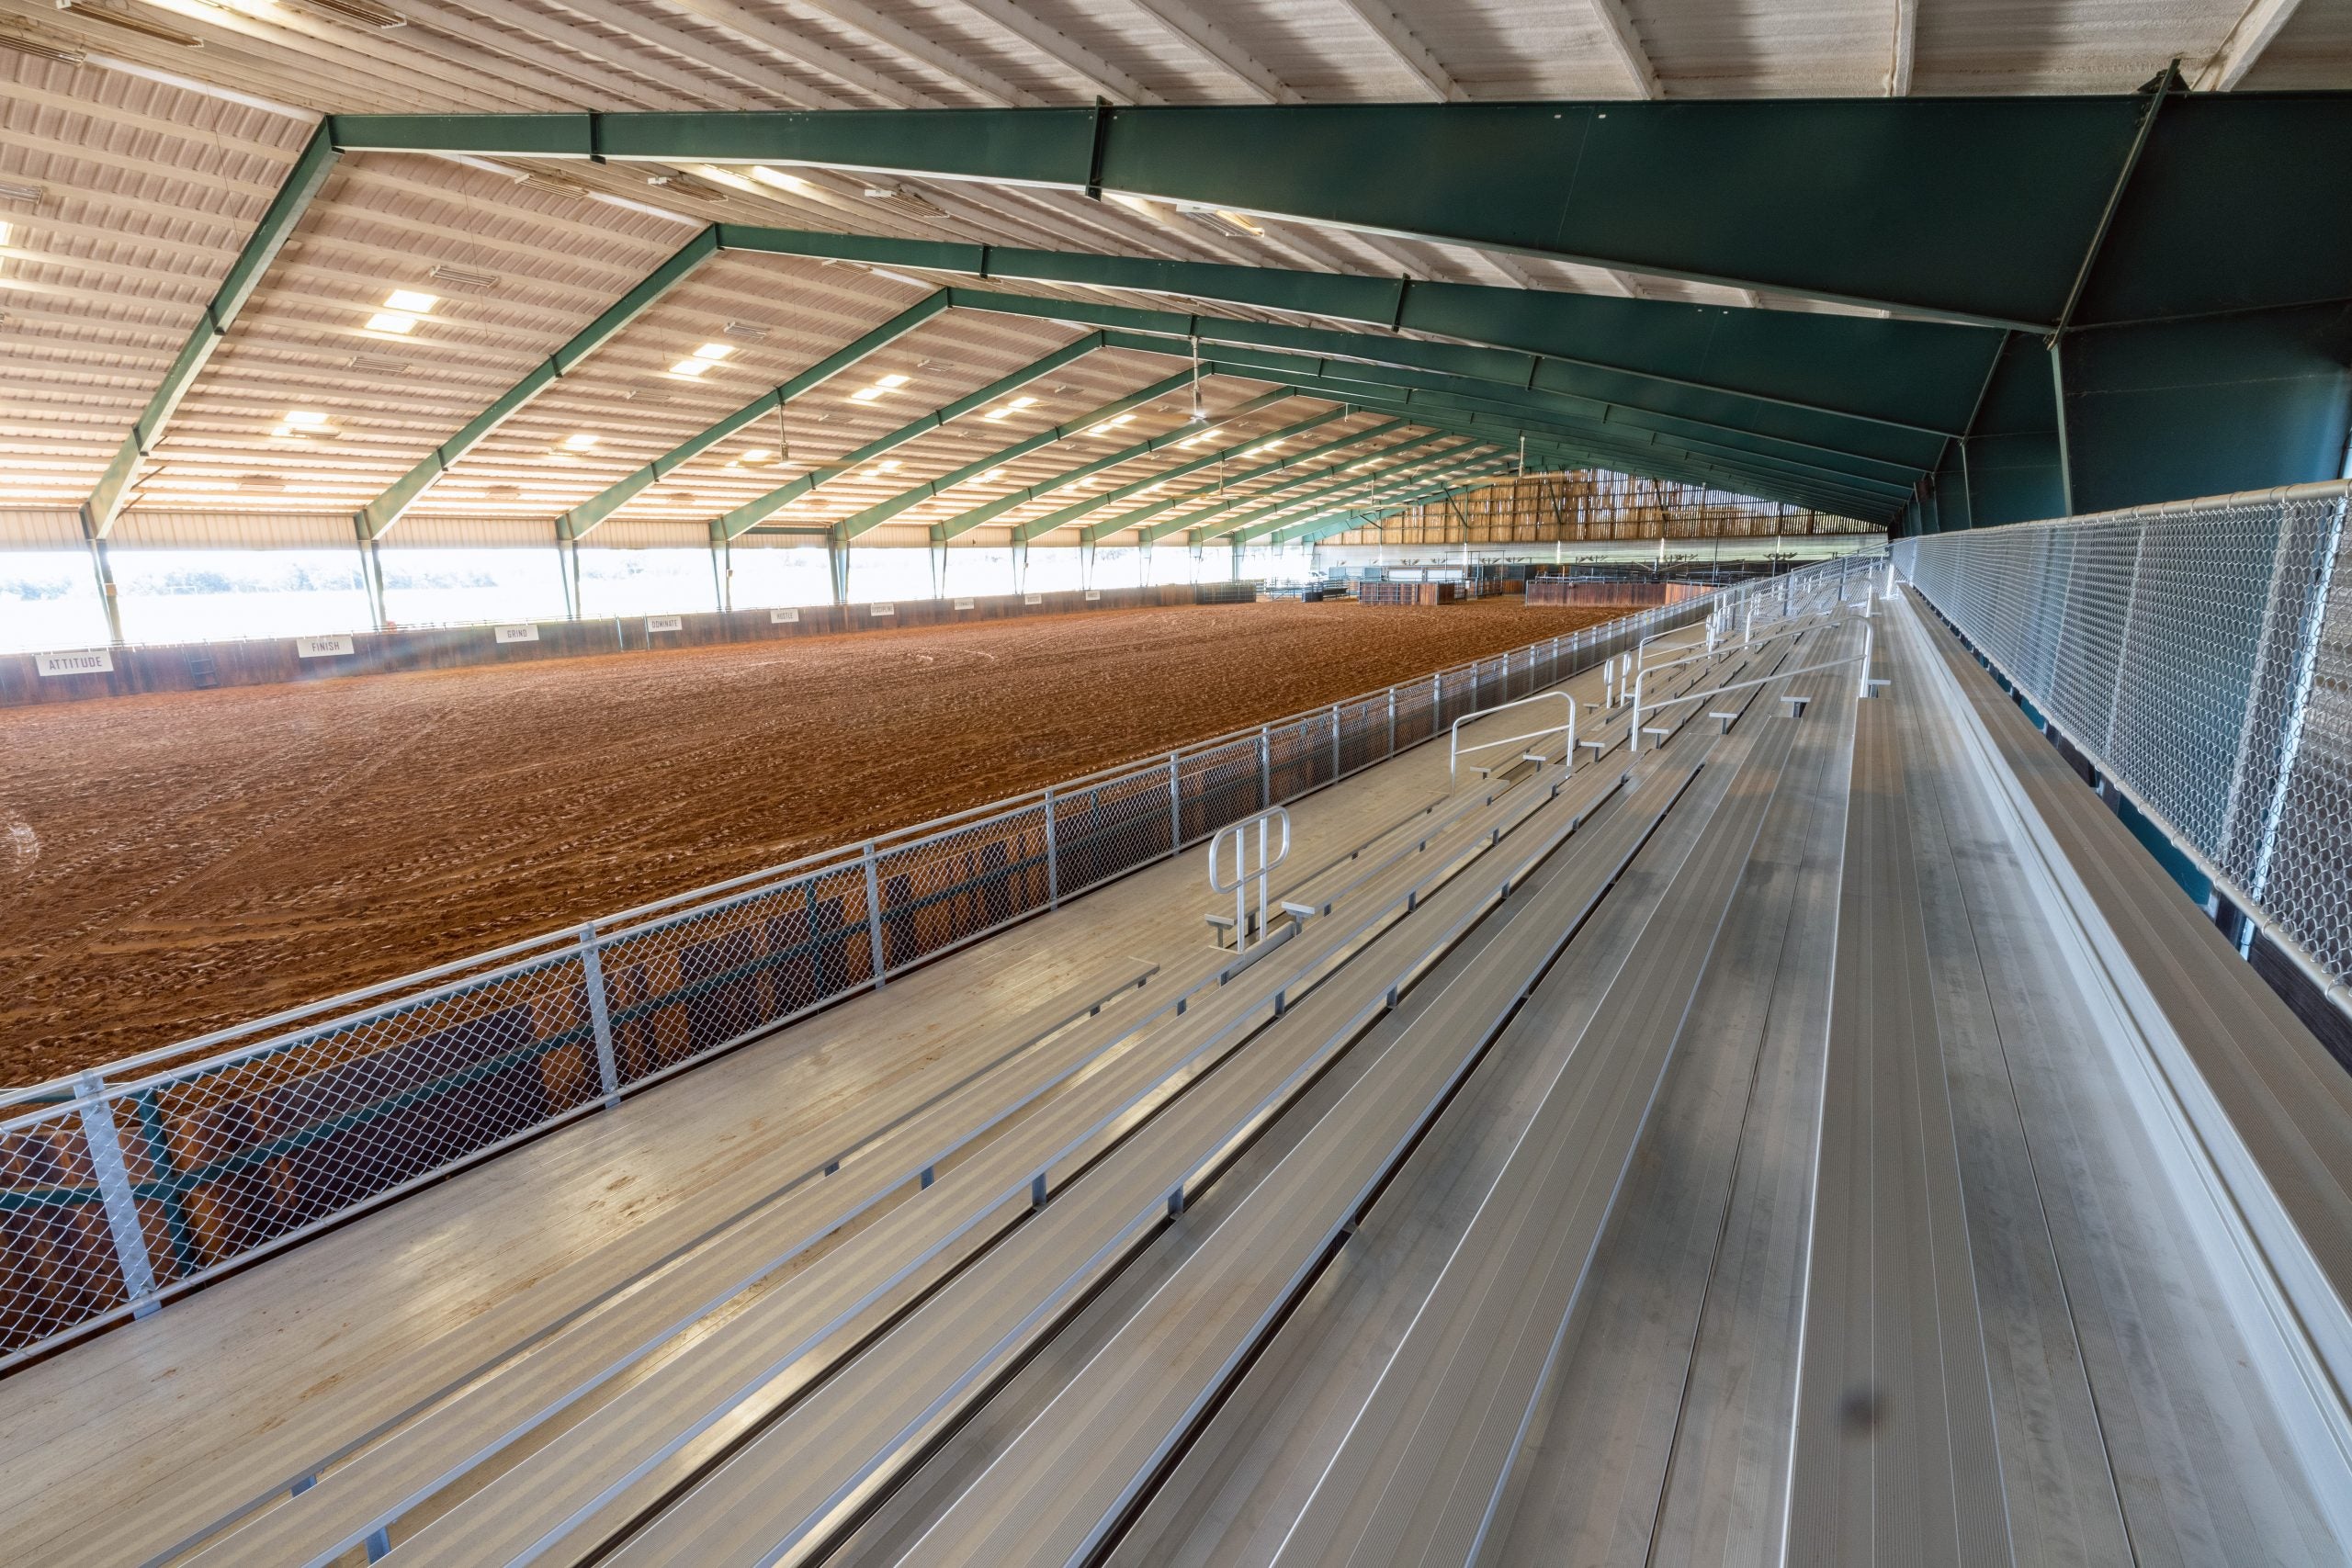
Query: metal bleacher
{"type": "Point", "coordinates": [1775, 1144]}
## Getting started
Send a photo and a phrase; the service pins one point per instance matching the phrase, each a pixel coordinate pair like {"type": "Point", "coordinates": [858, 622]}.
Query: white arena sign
{"type": "Point", "coordinates": [83, 662]}
{"type": "Point", "coordinates": [517, 634]}
{"type": "Point", "coordinates": [783, 617]}
{"type": "Point", "coordinates": [322, 646]}
{"type": "Point", "coordinates": [663, 624]}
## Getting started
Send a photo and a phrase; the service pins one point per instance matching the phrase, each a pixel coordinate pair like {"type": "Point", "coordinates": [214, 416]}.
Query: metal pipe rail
{"type": "Point", "coordinates": [1456, 750]}
{"type": "Point", "coordinates": [1864, 690]}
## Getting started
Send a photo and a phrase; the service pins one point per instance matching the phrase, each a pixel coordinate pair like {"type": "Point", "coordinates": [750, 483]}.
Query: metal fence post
{"type": "Point", "coordinates": [1335, 740]}
{"type": "Point", "coordinates": [1265, 770]}
{"type": "Point", "coordinates": [874, 911]}
{"type": "Point", "coordinates": [1175, 808]}
{"type": "Point", "coordinates": [2306, 665]}
{"type": "Point", "coordinates": [116, 1194]}
{"type": "Point", "coordinates": [1392, 721]}
{"type": "Point", "coordinates": [1053, 860]}
{"type": "Point", "coordinates": [600, 1015]}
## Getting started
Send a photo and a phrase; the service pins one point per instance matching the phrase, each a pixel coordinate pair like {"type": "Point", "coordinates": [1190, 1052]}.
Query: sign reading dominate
{"type": "Point", "coordinates": [83, 661]}
{"type": "Point", "coordinates": [663, 624]}
{"type": "Point", "coordinates": [518, 634]}
{"type": "Point", "coordinates": [322, 646]}
{"type": "Point", "coordinates": [1033, 598]}
{"type": "Point", "coordinates": [783, 617]}
{"type": "Point", "coordinates": [1092, 595]}
{"type": "Point", "coordinates": [963, 604]}
{"type": "Point", "coordinates": [881, 610]}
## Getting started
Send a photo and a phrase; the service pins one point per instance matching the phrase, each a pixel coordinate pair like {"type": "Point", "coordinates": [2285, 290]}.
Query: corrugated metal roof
{"type": "Point", "coordinates": [154, 159]}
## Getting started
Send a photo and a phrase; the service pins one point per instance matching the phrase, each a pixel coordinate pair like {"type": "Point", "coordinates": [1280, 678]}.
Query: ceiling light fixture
{"type": "Point", "coordinates": [690, 367]}
{"type": "Point", "coordinates": [21, 195]}
{"type": "Point", "coordinates": [412, 301]}
{"type": "Point", "coordinates": [131, 23]}
{"type": "Point", "coordinates": [41, 48]}
{"type": "Point", "coordinates": [458, 278]}
{"type": "Point", "coordinates": [893, 381]}
{"type": "Point", "coordinates": [399, 323]}
{"type": "Point", "coordinates": [579, 443]}
{"type": "Point", "coordinates": [749, 332]}
{"type": "Point", "coordinates": [359, 11]}
{"type": "Point", "coordinates": [714, 350]}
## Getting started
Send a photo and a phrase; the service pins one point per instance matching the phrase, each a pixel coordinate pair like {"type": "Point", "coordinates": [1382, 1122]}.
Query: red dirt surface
{"type": "Point", "coordinates": [176, 863]}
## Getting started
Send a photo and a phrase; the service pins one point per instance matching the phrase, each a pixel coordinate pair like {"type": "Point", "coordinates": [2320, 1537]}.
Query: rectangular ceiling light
{"type": "Point", "coordinates": [893, 381]}
{"type": "Point", "coordinates": [410, 300]}
{"type": "Point", "coordinates": [865, 394]}
{"type": "Point", "coordinates": [579, 443]}
{"type": "Point", "coordinates": [398, 322]}
{"type": "Point", "coordinates": [714, 350]}
{"type": "Point", "coordinates": [458, 278]}
{"type": "Point", "coordinates": [690, 367]}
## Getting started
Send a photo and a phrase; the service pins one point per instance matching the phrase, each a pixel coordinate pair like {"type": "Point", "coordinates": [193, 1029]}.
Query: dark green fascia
{"type": "Point", "coordinates": [965, 522]}
{"type": "Point", "coordinates": [1911, 375]}
{"type": "Point", "coordinates": [1154, 532]}
{"type": "Point", "coordinates": [1038, 527]}
{"type": "Point", "coordinates": [1802, 196]}
{"type": "Point", "coordinates": [375, 519]}
{"type": "Point", "coordinates": [749, 515]}
{"type": "Point", "coordinates": [311, 168]}
{"type": "Point", "coordinates": [576, 522]}
{"type": "Point", "coordinates": [882, 511]}
{"type": "Point", "coordinates": [1519, 372]}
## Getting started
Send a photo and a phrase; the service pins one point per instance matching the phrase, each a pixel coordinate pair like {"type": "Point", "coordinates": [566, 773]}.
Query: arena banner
{"type": "Point", "coordinates": [517, 634]}
{"type": "Point", "coordinates": [783, 617]}
{"type": "Point", "coordinates": [664, 624]}
{"type": "Point", "coordinates": [333, 647]}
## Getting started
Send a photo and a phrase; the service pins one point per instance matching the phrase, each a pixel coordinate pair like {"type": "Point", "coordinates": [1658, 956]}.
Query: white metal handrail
{"type": "Point", "coordinates": [1634, 740]}
{"type": "Point", "coordinates": [1456, 750]}
{"type": "Point", "coordinates": [1243, 875]}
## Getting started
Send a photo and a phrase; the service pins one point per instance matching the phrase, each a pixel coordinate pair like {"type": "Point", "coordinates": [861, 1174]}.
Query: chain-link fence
{"type": "Point", "coordinates": [122, 1187]}
{"type": "Point", "coordinates": [2200, 655]}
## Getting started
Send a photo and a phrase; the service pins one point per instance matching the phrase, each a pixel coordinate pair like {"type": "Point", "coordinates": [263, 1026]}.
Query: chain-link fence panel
{"type": "Point", "coordinates": [1219, 784]}
{"type": "Point", "coordinates": [942, 891]}
{"type": "Point", "coordinates": [153, 1175]}
{"type": "Point", "coordinates": [1108, 828]}
{"type": "Point", "coordinates": [2201, 656]}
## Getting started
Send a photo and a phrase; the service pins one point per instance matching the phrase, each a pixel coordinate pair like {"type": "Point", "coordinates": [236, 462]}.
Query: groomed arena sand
{"type": "Point", "coordinates": [176, 862]}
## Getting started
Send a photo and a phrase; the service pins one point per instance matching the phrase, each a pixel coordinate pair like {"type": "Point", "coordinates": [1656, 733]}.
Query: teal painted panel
{"type": "Point", "coordinates": [2013, 479]}
{"type": "Point", "coordinates": [2207, 407]}
{"type": "Point", "coordinates": [2241, 201]}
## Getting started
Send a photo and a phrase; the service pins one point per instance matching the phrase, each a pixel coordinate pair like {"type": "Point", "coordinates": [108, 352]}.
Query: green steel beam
{"type": "Point", "coordinates": [1241, 511]}
{"type": "Point", "coordinates": [1635, 450]}
{"type": "Point", "coordinates": [1036, 527]}
{"type": "Point", "coordinates": [1154, 532]}
{"type": "Point", "coordinates": [378, 516]}
{"type": "Point", "coordinates": [1808, 196]}
{"type": "Point", "coordinates": [1499, 395]}
{"type": "Point", "coordinates": [311, 168]}
{"type": "Point", "coordinates": [576, 522]}
{"type": "Point", "coordinates": [965, 522]}
{"type": "Point", "coordinates": [1271, 527]}
{"type": "Point", "coordinates": [1911, 375]}
{"type": "Point", "coordinates": [748, 517]}
{"type": "Point", "coordinates": [1759, 469]}
{"type": "Point", "coordinates": [1917, 451]}
{"type": "Point", "coordinates": [882, 511]}
{"type": "Point", "coordinates": [1322, 528]}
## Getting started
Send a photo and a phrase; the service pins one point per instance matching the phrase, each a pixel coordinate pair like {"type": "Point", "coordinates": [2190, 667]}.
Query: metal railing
{"type": "Point", "coordinates": [2199, 655]}
{"type": "Point", "coordinates": [124, 1186]}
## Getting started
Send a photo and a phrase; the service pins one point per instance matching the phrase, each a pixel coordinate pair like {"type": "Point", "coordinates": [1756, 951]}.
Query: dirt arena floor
{"type": "Point", "coordinates": [176, 862]}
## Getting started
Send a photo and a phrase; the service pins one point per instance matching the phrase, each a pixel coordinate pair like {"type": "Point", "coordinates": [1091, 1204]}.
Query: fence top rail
{"type": "Point", "coordinates": [349, 1009]}
{"type": "Point", "coordinates": [2277, 495]}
